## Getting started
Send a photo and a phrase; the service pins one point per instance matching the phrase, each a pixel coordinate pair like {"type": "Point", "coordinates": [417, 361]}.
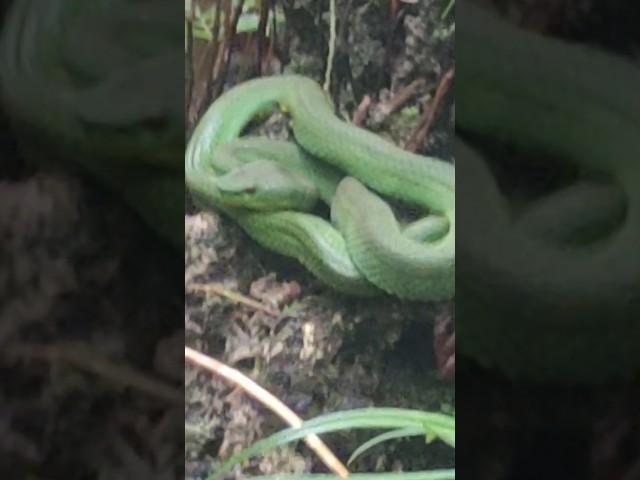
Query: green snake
{"type": "Point", "coordinates": [551, 289]}
{"type": "Point", "coordinates": [546, 291]}
{"type": "Point", "coordinates": [81, 109]}
{"type": "Point", "coordinates": [271, 189]}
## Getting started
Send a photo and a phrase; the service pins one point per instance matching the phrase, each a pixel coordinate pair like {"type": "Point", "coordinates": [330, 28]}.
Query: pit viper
{"type": "Point", "coordinates": [93, 87]}
{"type": "Point", "coordinates": [548, 290]}
{"type": "Point", "coordinates": [532, 300]}
{"type": "Point", "coordinates": [272, 188]}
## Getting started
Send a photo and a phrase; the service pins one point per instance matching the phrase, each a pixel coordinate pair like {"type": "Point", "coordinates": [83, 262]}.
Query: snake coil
{"type": "Point", "coordinates": [551, 292]}
{"type": "Point", "coordinates": [70, 105]}
{"type": "Point", "coordinates": [271, 189]}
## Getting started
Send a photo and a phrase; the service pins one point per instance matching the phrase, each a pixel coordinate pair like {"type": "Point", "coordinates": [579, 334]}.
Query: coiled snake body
{"type": "Point", "coordinates": [74, 107]}
{"type": "Point", "coordinates": [551, 292]}
{"type": "Point", "coordinates": [270, 188]}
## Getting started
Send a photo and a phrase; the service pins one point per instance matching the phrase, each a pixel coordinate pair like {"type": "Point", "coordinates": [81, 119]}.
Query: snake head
{"type": "Point", "coordinates": [265, 185]}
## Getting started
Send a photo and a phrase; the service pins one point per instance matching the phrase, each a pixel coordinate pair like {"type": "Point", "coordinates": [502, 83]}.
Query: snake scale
{"type": "Point", "coordinates": [270, 188]}
{"type": "Point", "coordinates": [550, 290]}
{"type": "Point", "coordinates": [112, 116]}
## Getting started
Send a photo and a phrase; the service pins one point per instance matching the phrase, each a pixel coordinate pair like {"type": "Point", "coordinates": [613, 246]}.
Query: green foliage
{"type": "Point", "coordinates": [448, 8]}
{"type": "Point", "coordinates": [446, 474]}
{"type": "Point", "coordinates": [203, 20]}
{"type": "Point", "coordinates": [399, 422]}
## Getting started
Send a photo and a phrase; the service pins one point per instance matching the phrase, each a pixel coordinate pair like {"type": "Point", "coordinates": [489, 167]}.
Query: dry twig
{"type": "Point", "coordinates": [265, 6]}
{"type": "Point", "coordinates": [401, 98]}
{"type": "Point", "coordinates": [270, 401]}
{"type": "Point", "coordinates": [217, 289]}
{"type": "Point", "coordinates": [361, 112]}
{"type": "Point", "coordinates": [419, 135]}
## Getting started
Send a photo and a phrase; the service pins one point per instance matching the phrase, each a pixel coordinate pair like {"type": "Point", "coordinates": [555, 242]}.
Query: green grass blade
{"type": "Point", "coordinates": [393, 434]}
{"type": "Point", "coordinates": [436, 431]}
{"type": "Point", "coordinates": [447, 9]}
{"type": "Point", "coordinates": [365, 418]}
{"type": "Point", "coordinates": [448, 474]}
{"type": "Point", "coordinates": [248, 22]}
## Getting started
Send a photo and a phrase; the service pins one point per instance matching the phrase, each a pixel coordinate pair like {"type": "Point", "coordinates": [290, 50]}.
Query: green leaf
{"type": "Point", "coordinates": [366, 418]}
{"type": "Point", "coordinates": [393, 434]}
{"type": "Point", "coordinates": [448, 474]}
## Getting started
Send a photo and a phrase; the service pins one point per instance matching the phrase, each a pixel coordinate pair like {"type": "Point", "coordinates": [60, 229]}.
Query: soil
{"type": "Point", "coordinates": [80, 285]}
{"type": "Point", "coordinates": [325, 352]}
{"type": "Point", "coordinates": [79, 271]}
{"type": "Point", "coordinates": [89, 299]}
